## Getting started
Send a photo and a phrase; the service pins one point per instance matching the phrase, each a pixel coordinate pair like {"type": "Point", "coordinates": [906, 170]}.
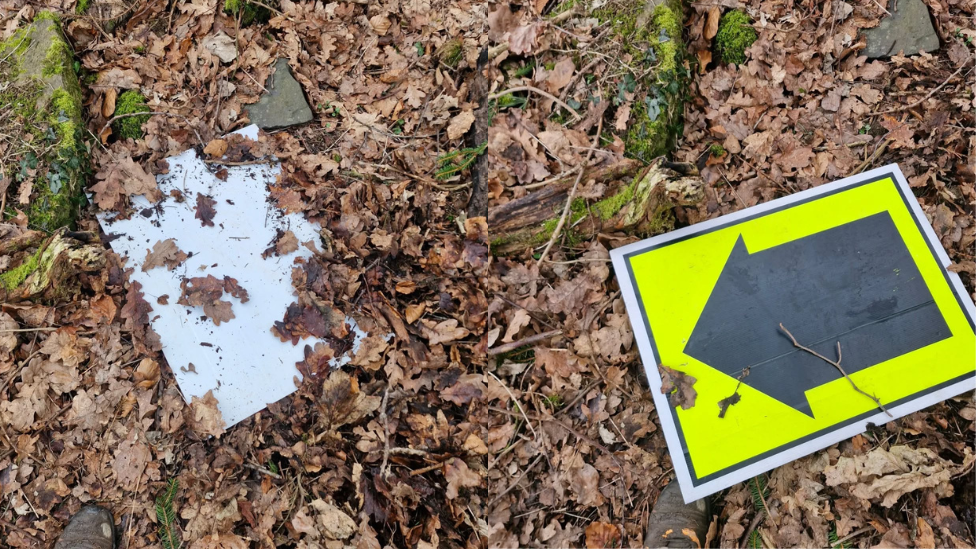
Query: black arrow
{"type": "Point", "coordinates": [856, 284]}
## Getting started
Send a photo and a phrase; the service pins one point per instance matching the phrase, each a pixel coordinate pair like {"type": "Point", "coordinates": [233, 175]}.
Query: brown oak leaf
{"type": "Point", "coordinates": [205, 210]}
{"type": "Point", "coordinates": [679, 387]}
{"type": "Point", "coordinates": [164, 253]}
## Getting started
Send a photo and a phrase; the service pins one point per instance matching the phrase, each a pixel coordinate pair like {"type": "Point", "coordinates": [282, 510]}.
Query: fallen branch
{"type": "Point", "coordinates": [572, 194]}
{"type": "Point", "coordinates": [501, 349]}
{"type": "Point", "coordinates": [640, 204]}
{"type": "Point", "coordinates": [545, 94]}
{"type": "Point", "coordinates": [924, 99]}
{"type": "Point", "coordinates": [52, 269]}
{"type": "Point", "coordinates": [151, 113]}
{"type": "Point", "coordinates": [836, 365]}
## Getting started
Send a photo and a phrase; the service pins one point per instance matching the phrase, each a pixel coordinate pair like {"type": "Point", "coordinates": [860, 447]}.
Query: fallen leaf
{"type": "Point", "coordinates": [458, 476]}
{"type": "Point", "coordinates": [205, 210]}
{"type": "Point", "coordinates": [460, 124]}
{"type": "Point", "coordinates": [711, 23]}
{"type": "Point", "coordinates": [679, 387]}
{"type": "Point", "coordinates": [205, 418]}
{"type": "Point", "coordinates": [216, 148]}
{"type": "Point", "coordinates": [221, 45]}
{"type": "Point", "coordinates": [600, 535]}
{"type": "Point", "coordinates": [335, 524]}
{"type": "Point", "coordinates": [164, 253]}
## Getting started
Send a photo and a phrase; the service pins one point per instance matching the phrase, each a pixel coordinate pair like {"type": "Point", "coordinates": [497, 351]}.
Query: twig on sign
{"type": "Point", "coordinates": [835, 365]}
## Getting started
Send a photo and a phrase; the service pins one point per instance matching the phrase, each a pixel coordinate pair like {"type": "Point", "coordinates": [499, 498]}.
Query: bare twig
{"type": "Point", "coordinates": [756, 521]}
{"type": "Point", "coordinates": [385, 420]}
{"type": "Point", "coordinates": [429, 468]}
{"type": "Point", "coordinates": [572, 195]}
{"type": "Point", "coordinates": [264, 470]}
{"type": "Point", "coordinates": [45, 329]}
{"type": "Point", "coordinates": [521, 408]}
{"type": "Point", "coordinates": [924, 99]}
{"type": "Point", "coordinates": [545, 94]}
{"type": "Point", "coordinates": [522, 343]}
{"type": "Point", "coordinates": [242, 163]}
{"type": "Point", "coordinates": [836, 365]}
{"type": "Point", "coordinates": [516, 481]}
{"type": "Point", "coordinates": [151, 113]}
{"type": "Point", "coordinates": [874, 156]}
{"type": "Point", "coordinates": [851, 536]}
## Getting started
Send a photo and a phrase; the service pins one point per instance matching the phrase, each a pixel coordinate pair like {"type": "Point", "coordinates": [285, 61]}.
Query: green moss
{"type": "Point", "coordinates": [15, 46]}
{"type": "Point", "coordinates": [49, 16]}
{"type": "Point", "coordinates": [735, 35]}
{"type": "Point", "coordinates": [13, 278]}
{"type": "Point", "coordinates": [608, 207]}
{"type": "Point", "coordinates": [451, 53]}
{"type": "Point", "coordinates": [58, 59]}
{"type": "Point", "coordinates": [251, 12]}
{"type": "Point", "coordinates": [82, 6]}
{"type": "Point", "coordinates": [717, 150]}
{"type": "Point", "coordinates": [130, 127]}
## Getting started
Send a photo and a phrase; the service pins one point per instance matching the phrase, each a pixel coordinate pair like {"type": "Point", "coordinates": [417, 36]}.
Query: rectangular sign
{"type": "Point", "coordinates": [801, 320]}
{"type": "Point", "coordinates": [240, 360]}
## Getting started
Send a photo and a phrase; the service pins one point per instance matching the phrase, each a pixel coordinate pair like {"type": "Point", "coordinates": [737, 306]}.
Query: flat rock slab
{"type": "Point", "coordinates": [284, 103]}
{"type": "Point", "coordinates": [908, 29]}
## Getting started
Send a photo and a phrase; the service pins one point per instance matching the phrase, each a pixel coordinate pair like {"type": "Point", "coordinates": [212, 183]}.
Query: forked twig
{"type": "Point", "coordinates": [836, 365]}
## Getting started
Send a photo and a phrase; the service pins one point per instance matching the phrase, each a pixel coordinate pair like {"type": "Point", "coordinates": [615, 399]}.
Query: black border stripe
{"type": "Point", "coordinates": [696, 481]}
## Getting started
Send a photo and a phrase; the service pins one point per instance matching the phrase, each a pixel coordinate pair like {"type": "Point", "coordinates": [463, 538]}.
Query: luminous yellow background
{"type": "Point", "coordinates": [675, 282]}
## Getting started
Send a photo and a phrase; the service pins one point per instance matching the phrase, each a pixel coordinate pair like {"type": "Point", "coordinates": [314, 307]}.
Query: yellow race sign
{"type": "Point", "coordinates": [802, 320]}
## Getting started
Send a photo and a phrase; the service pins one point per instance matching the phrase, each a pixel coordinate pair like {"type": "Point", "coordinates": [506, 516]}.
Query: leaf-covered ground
{"type": "Point", "coordinates": [434, 438]}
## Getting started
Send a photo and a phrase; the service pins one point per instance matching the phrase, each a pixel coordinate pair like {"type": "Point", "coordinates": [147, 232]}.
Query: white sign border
{"type": "Point", "coordinates": [689, 490]}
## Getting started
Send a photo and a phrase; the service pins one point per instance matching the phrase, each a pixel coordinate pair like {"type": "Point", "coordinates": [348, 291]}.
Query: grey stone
{"type": "Point", "coordinates": [908, 28]}
{"type": "Point", "coordinates": [284, 103]}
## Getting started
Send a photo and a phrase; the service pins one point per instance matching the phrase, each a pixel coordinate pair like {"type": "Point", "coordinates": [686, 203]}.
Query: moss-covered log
{"type": "Point", "coordinates": [50, 271]}
{"type": "Point", "coordinates": [644, 207]}
{"type": "Point", "coordinates": [43, 99]}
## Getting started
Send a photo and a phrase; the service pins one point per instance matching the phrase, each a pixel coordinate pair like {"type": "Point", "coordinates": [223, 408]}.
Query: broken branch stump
{"type": "Point", "coordinates": [644, 206]}
{"type": "Point", "coordinates": [50, 272]}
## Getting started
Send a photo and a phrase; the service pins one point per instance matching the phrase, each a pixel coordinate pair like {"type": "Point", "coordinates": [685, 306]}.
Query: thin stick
{"type": "Point", "coordinates": [522, 343]}
{"type": "Point", "coordinates": [429, 468]}
{"type": "Point", "coordinates": [242, 163]}
{"type": "Point", "coordinates": [836, 365]}
{"type": "Point", "coordinates": [264, 470]}
{"type": "Point", "coordinates": [752, 527]}
{"type": "Point", "coordinates": [46, 329]}
{"type": "Point", "coordinates": [545, 94]}
{"type": "Point", "coordinates": [517, 403]}
{"type": "Point", "coordinates": [874, 156]}
{"type": "Point", "coordinates": [150, 113]}
{"type": "Point", "coordinates": [384, 419]}
{"type": "Point", "coordinates": [924, 99]}
{"type": "Point", "coordinates": [535, 462]}
{"type": "Point", "coordinates": [852, 535]}
{"type": "Point", "coordinates": [569, 199]}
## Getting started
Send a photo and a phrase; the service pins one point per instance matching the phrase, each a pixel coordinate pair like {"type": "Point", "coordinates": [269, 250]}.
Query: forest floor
{"type": "Point", "coordinates": [433, 439]}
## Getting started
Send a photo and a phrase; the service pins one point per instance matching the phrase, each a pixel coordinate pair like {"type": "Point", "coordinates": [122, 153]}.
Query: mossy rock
{"type": "Point", "coordinates": [650, 32]}
{"type": "Point", "coordinates": [37, 79]}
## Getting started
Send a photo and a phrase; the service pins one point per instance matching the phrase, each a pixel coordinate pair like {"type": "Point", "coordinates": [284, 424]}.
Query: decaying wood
{"type": "Point", "coordinates": [654, 191]}
{"type": "Point", "coordinates": [59, 260]}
